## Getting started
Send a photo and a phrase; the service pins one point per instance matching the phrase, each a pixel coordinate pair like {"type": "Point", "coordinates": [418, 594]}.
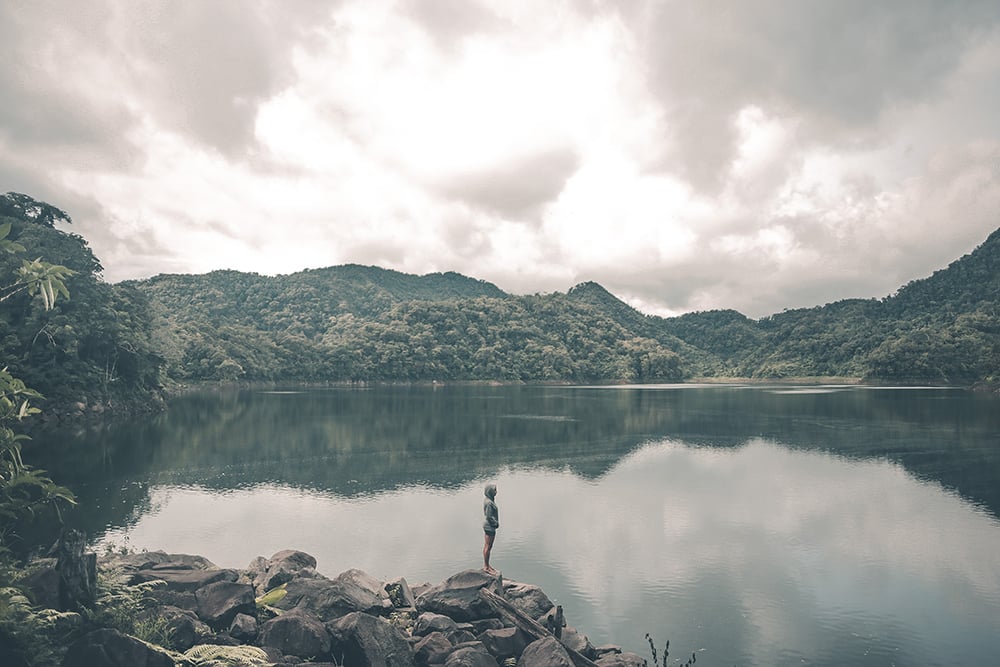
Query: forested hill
{"type": "Point", "coordinates": [941, 329]}
{"type": "Point", "coordinates": [357, 323]}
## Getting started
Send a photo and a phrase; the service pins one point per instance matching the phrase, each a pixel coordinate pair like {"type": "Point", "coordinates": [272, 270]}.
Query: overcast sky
{"type": "Point", "coordinates": [686, 155]}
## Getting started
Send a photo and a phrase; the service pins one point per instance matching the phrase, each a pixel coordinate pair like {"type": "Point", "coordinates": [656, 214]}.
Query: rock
{"type": "Point", "coordinates": [363, 640]}
{"type": "Point", "coordinates": [57, 623]}
{"type": "Point", "coordinates": [219, 603]}
{"type": "Point", "coordinates": [296, 633]}
{"type": "Point", "coordinates": [282, 567]}
{"type": "Point", "coordinates": [329, 599]}
{"type": "Point", "coordinates": [363, 580]}
{"type": "Point", "coordinates": [432, 649]}
{"type": "Point", "coordinates": [400, 594]}
{"type": "Point", "coordinates": [458, 596]}
{"type": "Point", "coordinates": [213, 655]}
{"type": "Point", "coordinates": [41, 585]}
{"type": "Point", "coordinates": [244, 628]}
{"type": "Point", "coordinates": [131, 563]}
{"type": "Point", "coordinates": [481, 626]}
{"type": "Point", "coordinates": [429, 622]}
{"type": "Point", "coordinates": [461, 635]}
{"type": "Point", "coordinates": [528, 598]}
{"type": "Point", "coordinates": [572, 638]}
{"type": "Point", "coordinates": [183, 579]}
{"type": "Point", "coordinates": [626, 659]}
{"type": "Point", "coordinates": [110, 648]}
{"type": "Point", "coordinates": [545, 652]}
{"type": "Point", "coordinates": [184, 628]}
{"type": "Point", "coordinates": [504, 643]}
{"type": "Point", "coordinates": [470, 656]}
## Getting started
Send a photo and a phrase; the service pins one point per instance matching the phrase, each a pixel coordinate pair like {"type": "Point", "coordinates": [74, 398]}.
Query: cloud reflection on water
{"type": "Point", "coordinates": [759, 553]}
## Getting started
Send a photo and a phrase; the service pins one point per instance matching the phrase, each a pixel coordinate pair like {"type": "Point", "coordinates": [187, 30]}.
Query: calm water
{"type": "Point", "coordinates": [753, 525]}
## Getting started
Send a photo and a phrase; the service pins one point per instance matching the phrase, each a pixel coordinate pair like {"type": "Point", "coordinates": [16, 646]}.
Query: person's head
{"type": "Point", "coordinates": [491, 491]}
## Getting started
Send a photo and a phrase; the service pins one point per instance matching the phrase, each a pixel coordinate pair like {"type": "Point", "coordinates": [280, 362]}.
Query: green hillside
{"type": "Point", "coordinates": [357, 323]}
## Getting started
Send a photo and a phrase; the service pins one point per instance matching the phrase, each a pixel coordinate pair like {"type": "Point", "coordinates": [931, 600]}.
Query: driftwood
{"type": "Point", "coordinates": [529, 626]}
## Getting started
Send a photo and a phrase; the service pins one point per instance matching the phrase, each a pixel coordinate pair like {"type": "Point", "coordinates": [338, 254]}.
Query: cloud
{"type": "Point", "coordinates": [756, 156]}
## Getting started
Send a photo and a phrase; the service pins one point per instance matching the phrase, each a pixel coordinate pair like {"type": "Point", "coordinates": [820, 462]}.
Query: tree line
{"type": "Point", "coordinates": [125, 342]}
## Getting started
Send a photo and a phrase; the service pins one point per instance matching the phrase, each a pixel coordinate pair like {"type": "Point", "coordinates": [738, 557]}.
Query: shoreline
{"type": "Point", "coordinates": [181, 609]}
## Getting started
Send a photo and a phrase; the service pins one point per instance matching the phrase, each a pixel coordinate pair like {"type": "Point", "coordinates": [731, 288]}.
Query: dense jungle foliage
{"type": "Point", "coordinates": [355, 323]}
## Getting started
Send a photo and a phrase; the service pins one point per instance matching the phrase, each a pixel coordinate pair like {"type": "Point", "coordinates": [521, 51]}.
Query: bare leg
{"type": "Point", "coordinates": [487, 548]}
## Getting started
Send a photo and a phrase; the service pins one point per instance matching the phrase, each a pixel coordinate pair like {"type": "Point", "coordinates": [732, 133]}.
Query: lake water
{"type": "Point", "coordinates": [752, 525]}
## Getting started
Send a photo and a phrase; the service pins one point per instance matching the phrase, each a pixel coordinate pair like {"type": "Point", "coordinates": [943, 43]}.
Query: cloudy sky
{"type": "Point", "coordinates": [756, 155]}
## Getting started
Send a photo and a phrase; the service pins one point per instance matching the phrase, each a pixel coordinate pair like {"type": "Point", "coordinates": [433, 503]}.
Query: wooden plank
{"type": "Point", "coordinates": [529, 626]}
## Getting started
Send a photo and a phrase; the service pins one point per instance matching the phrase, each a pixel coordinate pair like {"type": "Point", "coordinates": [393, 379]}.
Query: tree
{"type": "Point", "coordinates": [25, 490]}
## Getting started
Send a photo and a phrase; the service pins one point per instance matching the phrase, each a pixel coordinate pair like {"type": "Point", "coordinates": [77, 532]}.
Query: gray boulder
{"type": "Point", "coordinates": [110, 648]}
{"type": "Point", "coordinates": [329, 599]}
{"type": "Point", "coordinates": [474, 655]}
{"type": "Point", "coordinates": [545, 652]}
{"type": "Point", "coordinates": [243, 628]}
{"type": "Point", "coordinates": [432, 649]}
{"type": "Point", "coordinates": [184, 627]}
{"type": "Point", "coordinates": [528, 598]}
{"type": "Point", "coordinates": [458, 596]}
{"type": "Point", "coordinates": [297, 634]}
{"type": "Point", "coordinates": [579, 642]}
{"type": "Point", "coordinates": [504, 643]}
{"type": "Point", "coordinates": [429, 622]}
{"type": "Point", "coordinates": [219, 603]}
{"type": "Point", "coordinates": [182, 579]}
{"type": "Point", "coordinates": [280, 568]}
{"type": "Point", "coordinates": [363, 640]}
{"type": "Point", "coordinates": [625, 659]}
{"type": "Point", "coordinates": [41, 585]}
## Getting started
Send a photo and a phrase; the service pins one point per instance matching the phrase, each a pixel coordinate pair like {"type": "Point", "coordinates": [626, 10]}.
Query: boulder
{"type": "Point", "coordinates": [329, 599]}
{"type": "Point", "coordinates": [219, 603]}
{"type": "Point", "coordinates": [183, 627]}
{"type": "Point", "coordinates": [625, 659]}
{"type": "Point", "coordinates": [296, 633]}
{"type": "Point", "coordinates": [528, 598]}
{"type": "Point", "coordinates": [432, 649]}
{"type": "Point", "coordinates": [182, 579]}
{"type": "Point", "coordinates": [481, 626]}
{"type": "Point", "coordinates": [545, 652]}
{"type": "Point", "coordinates": [429, 622]}
{"type": "Point", "coordinates": [504, 643]}
{"type": "Point", "coordinates": [41, 585]}
{"type": "Point", "coordinates": [579, 642]}
{"type": "Point", "coordinates": [474, 655]}
{"type": "Point", "coordinates": [280, 568]}
{"type": "Point", "coordinates": [131, 563]}
{"type": "Point", "coordinates": [109, 648]}
{"type": "Point", "coordinates": [243, 628]}
{"type": "Point", "coordinates": [363, 580]}
{"type": "Point", "coordinates": [363, 640]}
{"type": "Point", "coordinates": [458, 596]}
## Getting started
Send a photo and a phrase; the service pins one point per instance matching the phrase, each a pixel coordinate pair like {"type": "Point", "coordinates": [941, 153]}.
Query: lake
{"type": "Point", "coordinates": [751, 525]}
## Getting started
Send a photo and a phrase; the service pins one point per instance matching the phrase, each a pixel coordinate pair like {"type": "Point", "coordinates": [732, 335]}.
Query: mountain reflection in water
{"type": "Point", "coordinates": [767, 525]}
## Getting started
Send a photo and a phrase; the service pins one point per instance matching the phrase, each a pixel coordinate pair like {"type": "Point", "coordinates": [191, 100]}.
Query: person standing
{"type": "Point", "coordinates": [490, 524]}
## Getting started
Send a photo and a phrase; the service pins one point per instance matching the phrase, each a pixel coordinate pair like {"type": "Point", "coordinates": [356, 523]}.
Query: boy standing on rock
{"type": "Point", "coordinates": [490, 525]}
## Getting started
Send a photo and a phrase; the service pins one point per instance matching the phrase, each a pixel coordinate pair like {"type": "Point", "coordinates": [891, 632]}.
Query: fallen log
{"type": "Point", "coordinates": [529, 626]}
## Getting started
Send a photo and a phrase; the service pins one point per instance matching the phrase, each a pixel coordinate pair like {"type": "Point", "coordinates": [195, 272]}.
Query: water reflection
{"type": "Point", "coordinates": [765, 525]}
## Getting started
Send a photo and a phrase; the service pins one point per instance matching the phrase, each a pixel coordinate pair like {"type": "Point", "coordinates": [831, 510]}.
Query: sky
{"type": "Point", "coordinates": [754, 155]}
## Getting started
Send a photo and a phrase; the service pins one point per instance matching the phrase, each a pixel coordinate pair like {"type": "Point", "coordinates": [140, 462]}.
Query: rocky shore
{"type": "Point", "coordinates": [281, 611]}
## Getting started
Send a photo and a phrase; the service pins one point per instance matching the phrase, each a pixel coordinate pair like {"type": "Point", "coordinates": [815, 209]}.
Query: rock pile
{"type": "Point", "coordinates": [281, 611]}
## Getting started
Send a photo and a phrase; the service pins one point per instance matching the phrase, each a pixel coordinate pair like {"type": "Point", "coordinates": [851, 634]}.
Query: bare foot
{"type": "Point", "coordinates": [489, 570]}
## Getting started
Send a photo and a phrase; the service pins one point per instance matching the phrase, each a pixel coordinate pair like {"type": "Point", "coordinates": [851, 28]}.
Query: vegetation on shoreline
{"type": "Point", "coordinates": [121, 344]}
